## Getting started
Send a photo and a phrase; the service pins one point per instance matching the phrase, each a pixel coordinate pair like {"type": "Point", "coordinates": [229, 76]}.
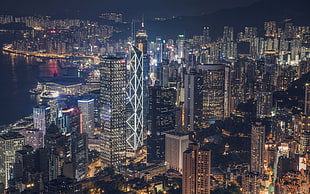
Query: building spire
{"type": "Point", "coordinates": [142, 21]}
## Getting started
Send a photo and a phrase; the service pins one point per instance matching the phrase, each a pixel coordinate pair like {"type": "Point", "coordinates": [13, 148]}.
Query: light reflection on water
{"type": "Point", "coordinates": [18, 74]}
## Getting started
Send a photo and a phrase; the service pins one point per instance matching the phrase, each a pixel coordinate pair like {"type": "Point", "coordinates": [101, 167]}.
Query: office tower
{"type": "Point", "coordinates": [141, 43]}
{"type": "Point", "coordinates": [159, 50]}
{"type": "Point", "coordinates": [56, 152]}
{"type": "Point", "coordinates": [135, 96]}
{"type": "Point", "coordinates": [68, 120]}
{"type": "Point", "coordinates": [9, 144]}
{"type": "Point", "coordinates": [162, 109]}
{"type": "Point", "coordinates": [257, 147]}
{"type": "Point", "coordinates": [33, 137]}
{"type": "Point", "coordinates": [266, 85]}
{"type": "Point", "coordinates": [181, 48]}
{"type": "Point", "coordinates": [162, 119]}
{"type": "Point", "coordinates": [175, 145]}
{"type": "Point", "coordinates": [26, 172]}
{"type": "Point", "coordinates": [196, 170]}
{"type": "Point", "coordinates": [80, 157]}
{"type": "Point", "coordinates": [191, 93]}
{"type": "Point", "coordinates": [41, 117]}
{"type": "Point", "coordinates": [207, 94]}
{"type": "Point", "coordinates": [162, 74]}
{"type": "Point", "coordinates": [76, 158]}
{"type": "Point", "coordinates": [88, 115]}
{"type": "Point", "coordinates": [113, 109]}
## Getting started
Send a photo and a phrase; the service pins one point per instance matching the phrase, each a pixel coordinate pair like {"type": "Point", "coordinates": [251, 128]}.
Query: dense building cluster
{"type": "Point", "coordinates": [189, 115]}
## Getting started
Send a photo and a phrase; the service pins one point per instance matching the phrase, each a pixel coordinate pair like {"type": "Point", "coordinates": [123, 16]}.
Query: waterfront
{"type": "Point", "coordinates": [18, 74]}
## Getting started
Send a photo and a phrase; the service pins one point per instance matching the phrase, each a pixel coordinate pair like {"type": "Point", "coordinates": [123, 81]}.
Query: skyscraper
{"type": "Point", "coordinates": [196, 170]}
{"type": "Point", "coordinates": [307, 99]}
{"type": "Point", "coordinates": [207, 92]}
{"type": "Point", "coordinates": [41, 117]}
{"type": "Point", "coordinates": [113, 109]}
{"type": "Point", "coordinates": [135, 100]}
{"type": "Point", "coordinates": [141, 43]}
{"type": "Point", "coordinates": [162, 119]}
{"type": "Point", "coordinates": [88, 116]}
{"type": "Point", "coordinates": [305, 130]}
{"type": "Point", "coordinates": [9, 144]}
{"type": "Point", "coordinates": [257, 147]}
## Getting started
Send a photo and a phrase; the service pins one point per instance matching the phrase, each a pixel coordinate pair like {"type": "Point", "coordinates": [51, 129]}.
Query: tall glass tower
{"type": "Point", "coordinates": [113, 109]}
{"type": "Point", "coordinates": [88, 115]}
{"type": "Point", "coordinates": [135, 99]}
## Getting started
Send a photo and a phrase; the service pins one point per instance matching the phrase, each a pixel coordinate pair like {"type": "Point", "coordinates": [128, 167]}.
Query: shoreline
{"type": "Point", "coordinates": [8, 49]}
{"type": "Point", "coordinates": [35, 54]}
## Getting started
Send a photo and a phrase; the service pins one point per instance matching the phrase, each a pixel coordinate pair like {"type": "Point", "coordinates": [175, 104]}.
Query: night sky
{"type": "Point", "coordinates": [130, 8]}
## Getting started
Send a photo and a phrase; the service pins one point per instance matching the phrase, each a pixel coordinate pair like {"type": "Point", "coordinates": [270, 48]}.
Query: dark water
{"type": "Point", "coordinates": [17, 75]}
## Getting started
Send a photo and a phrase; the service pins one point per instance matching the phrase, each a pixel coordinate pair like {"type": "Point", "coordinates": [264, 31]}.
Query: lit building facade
{"type": "Point", "coordinates": [207, 94]}
{"type": "Point", "coordinates": [113, 109]}
{"type": "Point", "coordinates": [257, 147]}
{"type": "Point", "coordinates": [88, 115]}
{"type": "Point", "coordinates": [9, 144]}
{"type": "Point", "coordinates": [33, 137]}
{"type": "Point", "coordinates": [41, 117]}
{"type": "Point", "coordinates": [196, 170]}
{"type": "Point", "coordinates": [175, 145]}
{"type": "Point", "coordinates": [135, 101]}
{"type": "Point", "coordinates": [162, 119]}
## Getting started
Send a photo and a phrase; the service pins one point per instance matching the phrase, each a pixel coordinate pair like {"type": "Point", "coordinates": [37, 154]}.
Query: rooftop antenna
{"type": "Point", "coordinates": [142, 23]}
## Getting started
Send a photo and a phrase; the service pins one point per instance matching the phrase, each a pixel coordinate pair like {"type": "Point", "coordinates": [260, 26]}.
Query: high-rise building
{"type": "Point", "coordinates": [257, 147]}
{"type": "Point", "coordinates": [135, 94]}
{"type": "Point", "coordinates": [88, 116]}
{"type": "Point", "coordinates": [9, 144]}
{"type": "Point", "coordinates": [33, 137]}
{"type": "Point", "coordinates": [56, 153]}
{"type": "Point", "coordinates": [175, 145]}
{"type": "Point", "coordinates": [113, 109]}
{"type": "Point", "coordinates": [196, 170]}
{"type": "Point", "coordinates": [142, 44]}
{"type": "Point", "coordinates": [228, 34]}
{"type": "Point", "coordinates": [207, 94]}
{"type": "Point", "coordinates": [307, 100]}
{"type": "Point", "coordinates": [270, 28]}
{"type": "Point", "coordinates": [206, 36]}
{"type": "Point", "coordinates": [162, 109]}
{"type": "Point", "coordinates": [41, 117]}
{"type": "Point", "coordinates": [162, 119]}
{"type": "Point", "coordinates": [305, 130]}
{"type": "Point", "coordinates": [250, 183]}
{"type": "Point", "coordinates": [68, 120]}
{"type": "Point", "coordinates": [191, 82]}
{"type": "Point", "coordinates": [181, 48]}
